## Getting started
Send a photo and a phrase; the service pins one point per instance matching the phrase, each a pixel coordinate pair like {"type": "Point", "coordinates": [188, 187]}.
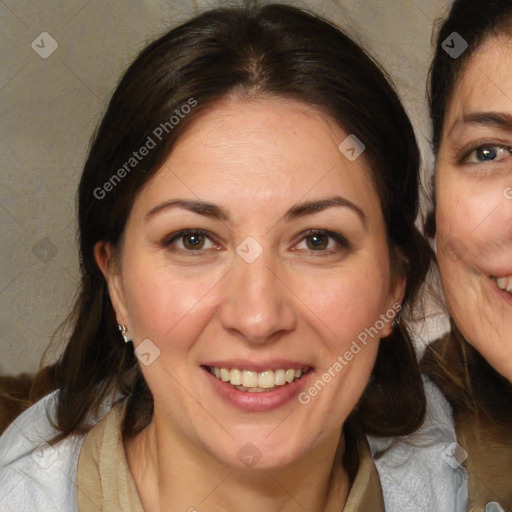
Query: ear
{"type": "Point", "coordinates": [394, 302]}
{"type": "Point", "coordinates": [107, 261]}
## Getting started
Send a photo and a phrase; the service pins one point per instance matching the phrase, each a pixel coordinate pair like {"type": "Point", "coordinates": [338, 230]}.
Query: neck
{"type": "Point", "coordinates": [171, 474]}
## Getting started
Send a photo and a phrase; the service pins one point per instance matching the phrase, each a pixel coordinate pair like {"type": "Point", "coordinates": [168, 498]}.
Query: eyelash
{"type": "Point", "coordinates": [181, 234]}
{"type": "Point", "coordinates": [343, 243]}
{"type": "Point", "coordinates": [463, 159]}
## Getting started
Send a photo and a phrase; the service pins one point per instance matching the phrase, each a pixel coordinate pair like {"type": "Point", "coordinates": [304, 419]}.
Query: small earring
{"type": "Point", "coordinates": [122, 328]}
{"type": "Point", "coordinates": [396, 321]}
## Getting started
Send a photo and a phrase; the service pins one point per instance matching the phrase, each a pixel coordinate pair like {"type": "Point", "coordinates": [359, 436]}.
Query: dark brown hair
{"type": "Point", "coordinates": [468, 380]}
{"type": "Point", "coordinates": [273, 50]}
{"type": "Point", "coordinates": [475, 21]}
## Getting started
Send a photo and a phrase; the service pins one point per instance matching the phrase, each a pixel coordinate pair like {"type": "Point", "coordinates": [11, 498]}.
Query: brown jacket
{"type": "Point", "coordinates": [482, 411]}
{"type": "Point", "coordinates": [19, 392]}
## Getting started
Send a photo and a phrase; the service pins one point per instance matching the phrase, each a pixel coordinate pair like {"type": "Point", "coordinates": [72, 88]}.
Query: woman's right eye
{"type": "Point", "coordinates": [189, 241]}
{"type": "Point", "coordinates": [488, 153]}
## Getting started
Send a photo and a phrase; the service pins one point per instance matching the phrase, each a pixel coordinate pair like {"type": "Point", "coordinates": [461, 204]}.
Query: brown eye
{"type": "Point", "coordinates": [322, 241]}
{"type": "Point", "coordinates": [189, 241]}
{"type": "Point", "coordinates": [317, 242]}
{"type": "Point", "coordinates": [193, 241]}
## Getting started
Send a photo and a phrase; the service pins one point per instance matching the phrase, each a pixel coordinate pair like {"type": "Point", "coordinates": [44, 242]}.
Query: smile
{"type": "Point", "coordinates": [257, 382]}
{"type": "Point", "coordinates": [504, 283]}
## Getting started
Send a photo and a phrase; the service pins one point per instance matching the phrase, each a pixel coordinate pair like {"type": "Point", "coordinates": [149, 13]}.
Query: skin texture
{"type": "Point", "coordinates": [255, 159]}
{"type": "Point", "coordinates": [474, 203]}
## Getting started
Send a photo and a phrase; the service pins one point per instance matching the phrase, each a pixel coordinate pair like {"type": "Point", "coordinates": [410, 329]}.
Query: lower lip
{"type": "Point", "coordinates": [503, 294]}
{"type": "Point", "coordinates": [257, 402]}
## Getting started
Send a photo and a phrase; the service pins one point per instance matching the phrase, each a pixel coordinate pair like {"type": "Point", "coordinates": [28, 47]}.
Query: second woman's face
{"type": "Point", "coordinates": [474, 204]}
{"type": "Point", "coordinates": [252, 264]}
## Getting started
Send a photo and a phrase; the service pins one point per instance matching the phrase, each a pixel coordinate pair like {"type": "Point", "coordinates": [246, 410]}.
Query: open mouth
{"type": "Point", "coordinates": [258, 382]}
{"type": "Point", "coordinates": [504, 283]}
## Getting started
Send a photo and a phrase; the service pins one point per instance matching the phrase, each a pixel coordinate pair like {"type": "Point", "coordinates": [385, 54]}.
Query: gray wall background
{"type": "Point", "coordinates": [50, 106]}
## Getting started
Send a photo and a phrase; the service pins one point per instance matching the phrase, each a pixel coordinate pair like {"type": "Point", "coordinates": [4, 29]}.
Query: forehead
{"type": "Point", "coordinates": [257, 151]}
{"type": "Point", "coordinates": [485, 84]}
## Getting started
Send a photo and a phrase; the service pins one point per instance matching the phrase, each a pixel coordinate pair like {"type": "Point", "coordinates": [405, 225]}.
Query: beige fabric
{"type": "Point", "coordinates": [105, 482]}
{"type": "Point", "coordinates": [366, 492]}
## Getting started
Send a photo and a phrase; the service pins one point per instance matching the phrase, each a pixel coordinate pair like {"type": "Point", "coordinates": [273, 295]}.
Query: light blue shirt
{"type": "Point", "coordinates": [414, 471]}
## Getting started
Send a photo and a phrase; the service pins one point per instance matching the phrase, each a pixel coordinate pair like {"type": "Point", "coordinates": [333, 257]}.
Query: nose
{"type": "Point", "coordinates": [258, 306]}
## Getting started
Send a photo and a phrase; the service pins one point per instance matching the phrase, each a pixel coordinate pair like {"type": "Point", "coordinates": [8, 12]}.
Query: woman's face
{"type": "Point", "coordinates": [258, 253]}
{"type": "Point", "coordinates": [474, 203]}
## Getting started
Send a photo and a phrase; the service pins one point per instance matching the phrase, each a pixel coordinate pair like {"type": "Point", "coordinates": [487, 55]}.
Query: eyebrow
{"type": "Point", "coordinates": [309, 207]}
{"type": "Point", "coordinates": [296, 211]}
{"type": "Point", "coordinates": [491, 119]}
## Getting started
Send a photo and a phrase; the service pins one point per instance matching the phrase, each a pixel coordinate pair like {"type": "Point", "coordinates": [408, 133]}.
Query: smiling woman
{"type": "Point", "coordinates": [244, 256]}
{"type": "Point", "coordinates": [472, 118]}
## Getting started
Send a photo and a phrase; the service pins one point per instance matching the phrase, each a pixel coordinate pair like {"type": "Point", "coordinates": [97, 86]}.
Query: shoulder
{"type": "Point", "coordinates": [418, 472]}
{"type": "Point", "coordinates": [33, 474]}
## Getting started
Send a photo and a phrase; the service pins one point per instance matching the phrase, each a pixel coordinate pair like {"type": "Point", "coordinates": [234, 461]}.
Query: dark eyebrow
{"type": "Point", "coordinates": [489, 119]}
{"type": "Point", "coordinates": [299, 210]}
{"type": "Point", "coordinates": [306, 208]}
{"type": "Point", "coordinates": [201, 207]}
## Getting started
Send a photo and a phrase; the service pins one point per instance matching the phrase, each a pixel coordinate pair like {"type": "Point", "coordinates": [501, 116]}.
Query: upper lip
{"type": "Point", "coordinates": [260, 366]}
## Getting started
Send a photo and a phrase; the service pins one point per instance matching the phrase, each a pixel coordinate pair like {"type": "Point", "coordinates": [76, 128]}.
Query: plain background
{"type": "Point", "coordinates": [50, 107]}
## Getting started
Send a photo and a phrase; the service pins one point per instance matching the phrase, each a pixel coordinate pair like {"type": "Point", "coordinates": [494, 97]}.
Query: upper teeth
{"type": "Point", "coordinates": [250, 379]}
{"type": "Point", "coordinates": [504, 283]}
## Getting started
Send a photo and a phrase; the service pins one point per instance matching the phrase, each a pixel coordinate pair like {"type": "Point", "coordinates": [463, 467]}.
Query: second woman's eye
{"type": "Point", "coordinates": [488, 153]}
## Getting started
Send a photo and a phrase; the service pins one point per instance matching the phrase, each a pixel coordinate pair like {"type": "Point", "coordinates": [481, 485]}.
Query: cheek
{"type": "Point", "coordinates": [455, 212]}
{"type": "Point", "coordinates": [344, 303]}
{"type": "Point", "coordinates": [469, 224]}
{"type": "Point", "coordinates": [174, 306]}
{"type": "Point", "coordinates": [452, 208]}
{"type": "Point", "coordinates": [167, 303]}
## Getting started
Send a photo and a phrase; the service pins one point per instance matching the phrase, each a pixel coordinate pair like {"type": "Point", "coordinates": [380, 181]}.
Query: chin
{"type": "Point", "coordinates": [260, 454]}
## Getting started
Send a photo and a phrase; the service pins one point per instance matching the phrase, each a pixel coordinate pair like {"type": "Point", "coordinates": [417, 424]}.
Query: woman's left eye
{"type": "Point", "coordinates": [488, 153]}
{"type": "Point", "coordinates": [322, 241]}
